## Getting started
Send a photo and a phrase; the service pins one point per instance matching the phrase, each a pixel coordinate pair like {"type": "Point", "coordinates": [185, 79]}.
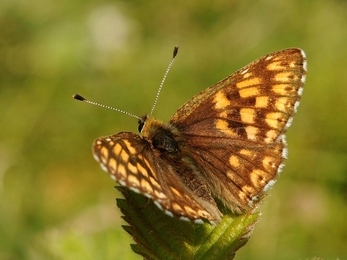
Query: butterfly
{"type": "Point", "coordinates": [226, 144]}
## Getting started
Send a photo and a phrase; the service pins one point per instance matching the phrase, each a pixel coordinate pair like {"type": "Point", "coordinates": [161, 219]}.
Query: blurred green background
{"type": "Point", "coordinates": [55, 201]}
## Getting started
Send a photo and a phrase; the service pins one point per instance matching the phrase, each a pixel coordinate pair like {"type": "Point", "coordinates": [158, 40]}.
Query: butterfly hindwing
{"type": "Point", "coordinates": [132, 162]}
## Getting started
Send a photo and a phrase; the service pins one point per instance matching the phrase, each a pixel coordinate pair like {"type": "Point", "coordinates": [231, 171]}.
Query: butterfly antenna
{"type": "Point", "coordinates": [80, 98]}
{"type": "Point", "coordinates": [175, 51]}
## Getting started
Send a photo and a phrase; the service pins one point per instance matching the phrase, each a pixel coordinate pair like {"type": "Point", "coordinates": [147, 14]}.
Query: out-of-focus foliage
{"type": "Point", "coordinates": [55, 202]}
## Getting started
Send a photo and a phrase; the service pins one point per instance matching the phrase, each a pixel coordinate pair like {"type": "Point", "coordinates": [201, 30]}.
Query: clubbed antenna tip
{"type": "Point", "coordinates": [175, 51]}
{"type": "Point", "coordinates": [78, 97]}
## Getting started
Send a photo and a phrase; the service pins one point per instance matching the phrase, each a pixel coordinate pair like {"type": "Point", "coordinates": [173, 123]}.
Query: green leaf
{"type": "Point", "coordinates": [159, 236]}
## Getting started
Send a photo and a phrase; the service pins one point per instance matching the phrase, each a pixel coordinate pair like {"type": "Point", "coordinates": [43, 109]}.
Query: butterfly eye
{"type": "Point", "coordinates": [141, 122]}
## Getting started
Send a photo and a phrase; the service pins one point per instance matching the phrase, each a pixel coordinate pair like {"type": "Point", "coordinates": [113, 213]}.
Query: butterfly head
{"type": "Point", "coordinates": [161, 136]}
{"type": "Point", "coordinates": [148, 125]}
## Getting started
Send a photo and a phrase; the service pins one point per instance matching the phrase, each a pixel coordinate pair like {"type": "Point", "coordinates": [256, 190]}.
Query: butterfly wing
{"type": "Point", "coordinates": [235, 129]}
{"type": "Point", "coordinates": [133, 163]}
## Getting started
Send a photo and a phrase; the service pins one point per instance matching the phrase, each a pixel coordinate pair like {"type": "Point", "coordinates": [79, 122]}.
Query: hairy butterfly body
{"type": "Point", "coordinates": [226, 143]}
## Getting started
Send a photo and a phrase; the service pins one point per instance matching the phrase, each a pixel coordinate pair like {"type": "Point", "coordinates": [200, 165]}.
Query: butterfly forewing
{"type": "Point", "coordinates": [235, 129]}
{"type": "Point", "coordinates": [227, 142]}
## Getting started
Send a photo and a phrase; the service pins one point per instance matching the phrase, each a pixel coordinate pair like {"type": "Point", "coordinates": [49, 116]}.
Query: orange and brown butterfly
{"type": "Point", "coordinates": [226, 143]}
